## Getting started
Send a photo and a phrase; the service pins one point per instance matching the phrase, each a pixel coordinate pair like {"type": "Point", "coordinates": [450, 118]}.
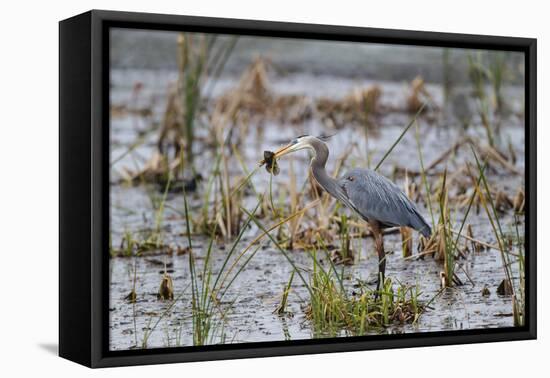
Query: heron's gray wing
{"type": "Point", "coordinates": [375, 197]}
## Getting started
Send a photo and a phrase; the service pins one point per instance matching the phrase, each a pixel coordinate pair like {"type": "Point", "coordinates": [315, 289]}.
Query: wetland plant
{"type": "Point", "coordinates": [221, 210]}
{"type": "Point", "coordinates": [345, 253]}
{"type": "Point", "coordinates": [192, 66]}
{"type": "Point", "coordinates": [497, 73]}
{"type": "Point", "coordinates": [446, 246]}
{"type": "Point", "coordinates": [444, 242]}
{"type": "Point", "coordinates": [201, 58]}
{"type": "Point", "coordinates": [489, 75]}
{"type": "Point", "coordinates": [332, 309]}
{"type": "Point", "coordinates": [209, 286]}
{"type": "Point", "coordinates": [478, 77]}
{"type": "Point", "coordinates": [282, 308]}
{"type": "Point", "coordinates": [509, 257]}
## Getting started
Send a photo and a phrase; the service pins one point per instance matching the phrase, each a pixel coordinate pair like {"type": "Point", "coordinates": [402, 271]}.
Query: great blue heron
{"type": "Point", "coordinates": [372, 196]}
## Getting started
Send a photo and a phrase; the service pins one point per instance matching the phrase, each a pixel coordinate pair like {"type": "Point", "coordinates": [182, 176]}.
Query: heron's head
{"type": "Point", "coordinates": [302, 142]}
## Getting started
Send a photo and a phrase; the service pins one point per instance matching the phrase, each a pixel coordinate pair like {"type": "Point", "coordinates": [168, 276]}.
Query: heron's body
{"type": "Point", "coordinates": [385, 202]}
{"type": "Point", "coordinates": [372, 196]}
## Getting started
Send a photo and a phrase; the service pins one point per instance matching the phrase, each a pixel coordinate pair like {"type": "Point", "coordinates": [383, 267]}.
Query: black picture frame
{"type": "Point", "coordinates": [84, 191]}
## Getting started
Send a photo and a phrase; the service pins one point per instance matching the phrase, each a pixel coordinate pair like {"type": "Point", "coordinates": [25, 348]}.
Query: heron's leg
{"type": "Point", "coordinates": [379, 245]}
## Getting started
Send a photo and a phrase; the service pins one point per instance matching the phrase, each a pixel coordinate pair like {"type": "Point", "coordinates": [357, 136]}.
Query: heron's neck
{"type": "Point", "coordinates": [320, 155]}
{"type": "Point", "coordinates": [320, 174]}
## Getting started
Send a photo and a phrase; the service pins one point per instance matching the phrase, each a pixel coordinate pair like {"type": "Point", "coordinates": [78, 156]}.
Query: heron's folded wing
{"type": "Point", "coordinates": [375, 197]}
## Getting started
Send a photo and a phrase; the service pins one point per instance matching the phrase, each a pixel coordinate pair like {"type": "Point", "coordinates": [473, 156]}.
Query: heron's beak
{"type": "Point", "coordinates": [285, 150]}
{"type": "Point", "coordinates": [292, 147]}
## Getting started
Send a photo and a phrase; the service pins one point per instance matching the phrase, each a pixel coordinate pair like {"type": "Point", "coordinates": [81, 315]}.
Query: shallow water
{"type": "Point", "coordinates": [256, 292]}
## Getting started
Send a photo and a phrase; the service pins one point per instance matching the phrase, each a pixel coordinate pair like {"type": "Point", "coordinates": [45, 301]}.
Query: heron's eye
{"type": "Point", "coordinates": [351, 178]}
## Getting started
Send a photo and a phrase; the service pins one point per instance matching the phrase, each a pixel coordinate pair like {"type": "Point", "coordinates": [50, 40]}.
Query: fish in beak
{"type": "Point", "coordinates": [270, 157]}
{"type": "Point", "coordinates": [270, 162]}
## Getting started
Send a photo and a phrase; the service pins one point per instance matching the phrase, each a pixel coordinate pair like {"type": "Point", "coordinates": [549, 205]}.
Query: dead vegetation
{"type": "Point", "coordinates": [360, 107]}
{"type": "Point", "coordinates": [166, 289]}
{"type": "Point", "coordinates": [418, 95]}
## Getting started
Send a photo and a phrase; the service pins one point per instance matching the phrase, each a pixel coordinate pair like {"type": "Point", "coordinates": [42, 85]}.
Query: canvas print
{"type": "Point", "coordinates": [271, 189]}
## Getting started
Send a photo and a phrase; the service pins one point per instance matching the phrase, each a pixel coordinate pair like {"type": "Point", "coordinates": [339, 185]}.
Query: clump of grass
{"type": "Point", "coordinates": [204, 305]}
{"type": "Point", "coordinates": [332, 310]}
